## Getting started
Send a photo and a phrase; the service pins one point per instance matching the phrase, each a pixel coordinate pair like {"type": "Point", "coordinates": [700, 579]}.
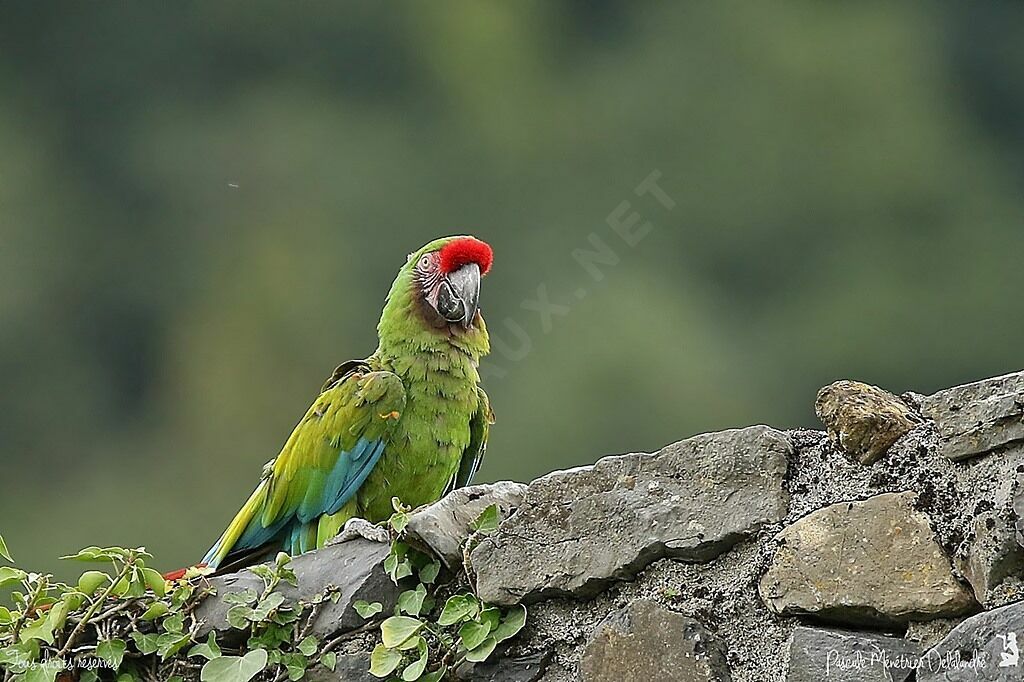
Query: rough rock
{"type": "Point", "coordinates": [874, 562]}
{"type": "Point", "coordinates": [521, 669]}
{"type": "Point", "coordinates": [979, 417]}
{"type": "Point", "coordinates": [354, 567]}
{"type": "Point", "coordinates": [983, 648]}
{"type": "Point", "coordinates": [818, 654]}
{"type": "Point", "coordinates": [993, 553]}
{"type": "Point", "coordinates": [646, 641]}
{"type": "Point", "coordinates": [928, 633]}
{"type": "Point", "coordinates": [1018, 506]}
{"type": "Point", "coordinates": [349, 668]}
{"type": "Point", "coordinates": [444, 526]}
{"type": "Point", "coordinates": [863, 420]}
{"type": "Point", "coordinates": [634, 516]}
{"type": "Point", "coordinates": [579, 529]}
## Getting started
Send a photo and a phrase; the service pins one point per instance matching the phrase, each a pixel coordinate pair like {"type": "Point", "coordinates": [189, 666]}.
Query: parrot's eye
{"type": "Point", "coordinates": [425, 261]}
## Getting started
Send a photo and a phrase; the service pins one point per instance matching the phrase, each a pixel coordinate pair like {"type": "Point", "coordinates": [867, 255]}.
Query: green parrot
{"type": "Point", "coordinates": [410, 421]}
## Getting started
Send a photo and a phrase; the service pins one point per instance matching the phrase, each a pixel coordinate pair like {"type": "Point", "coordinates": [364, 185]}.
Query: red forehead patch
{"type": "Point", "coordinates": [466, 250]}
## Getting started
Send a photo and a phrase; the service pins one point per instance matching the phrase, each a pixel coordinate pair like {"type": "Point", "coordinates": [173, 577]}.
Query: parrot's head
{"type": "Point", "coordinates": [434, 303]}
{"type": "Point", "coordinates": [445, 278]}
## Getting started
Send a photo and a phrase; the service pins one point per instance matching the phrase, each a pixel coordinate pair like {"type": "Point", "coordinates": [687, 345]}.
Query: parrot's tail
{"type": "Point", "coordinates": [246, 533]}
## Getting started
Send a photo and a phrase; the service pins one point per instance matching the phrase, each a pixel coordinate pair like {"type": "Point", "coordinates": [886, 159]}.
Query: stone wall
{"type": "Point", "coordinates": [889, 547]}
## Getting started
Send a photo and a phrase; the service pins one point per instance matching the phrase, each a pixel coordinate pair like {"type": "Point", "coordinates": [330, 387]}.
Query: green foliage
{"type": "Point", "coordinates": [235, 668]}
{"type": "Point", "coordinates": [129, 620]}
{"type": "Point", "coordinates": [113, 617]}
{"type": "Point", "coordinates": [132, 621]}
{"type": "Point", "coordinates": [427, 638]}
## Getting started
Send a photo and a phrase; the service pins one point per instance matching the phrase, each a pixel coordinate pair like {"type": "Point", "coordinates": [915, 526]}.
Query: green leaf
{"type": "Point", "coordinates": [156, 610]}
{"type": "Point", "coordinates": [384, 661]}
{"type": "Point", "coordinates": [329, 660]}
{"type": "Point", "coordinates": [511, 624]}
{"type": "Point", "coordinates": [16, 657]}
{"type": "Point", "coordinates": [11, 576]}
{"type": "Point", "coordinates": [39, 673]}
{"type": "Point", "coordinates": [491, 617]}
{"type": "Point", "coordinates": [155, 581]}
{"type": "Point", "coordinates": [41, 629]}
{"type": "Point", "coordinates": [4, 552]}
{"type": "Point", "coordinates": [399, 521]}
{"type": "Point", "coordinates": [174, 624]}
{"type": "Point", "coordinates": [415, 670]}
{"type": "Point", "coordinates": [366, 610]}
{"type": "Point", "coordinates": [308, 646]}
{"type": "Point", "coordinates": [91, 581]}
{"type": "Point", "coordinates": [286, 615]}
{"type": "Point", "coordinates": [246, 597]}
{"type": "Point", "coordinates": [170, 643]}
{"type": "Point", "coordinates": [480, 653]}
{"type": "Point", "coordinates": [90, 676]}
{"type": "Point", "coordinates": [121, 588]}
{"type": "Point", "coordinates": [473, 634]}
{"type": "Point", "coordinates": [111, 651]}
{"type": "Point", "coordinates": [208, 650]}
{"type": "Point", "coordinates": [146, 644]}
{"type": "Point", "coordinates": [235, 668]}
{"type": "Point", "coordinates": [263, 609]}
{"type": "Point", "coordinates": [396, 630]}
{"type": "Point", "coordinates": [488, 521]}
{"type": "Point", "coordinates": [435, 676]}
{"type": "Point", "coordinates": [239, 616]}
{"type": "Point", "coordinates": [6, 618]}
{"type": "Point", "coordinates": [459, 607]}
{"type": "Point", "coordinates": [295, 664]}
{"type": "Point", "coordinates": [410, 602]}
{"type": "Point", "coordinates": [95, 555]}
{"type": "Point", "coordinates": [428, 574]}
{"type": "Point", "coordinates": [412, 643]}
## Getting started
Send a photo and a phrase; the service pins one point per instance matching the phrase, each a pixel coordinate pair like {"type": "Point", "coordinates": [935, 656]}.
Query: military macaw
{"type": "Point", "coordinates": [410, 421]}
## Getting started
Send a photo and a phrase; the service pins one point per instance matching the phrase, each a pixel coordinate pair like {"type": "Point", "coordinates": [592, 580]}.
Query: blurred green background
{"type": "Point", "coordinates": [202, 206]}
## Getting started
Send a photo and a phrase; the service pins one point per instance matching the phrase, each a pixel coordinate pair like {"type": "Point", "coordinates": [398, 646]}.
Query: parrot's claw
{"type": "Point", "coordinates": [360, 528]}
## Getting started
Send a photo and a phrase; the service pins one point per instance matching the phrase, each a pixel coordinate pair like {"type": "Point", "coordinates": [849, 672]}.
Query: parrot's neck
{"type": "Point", "coordinates": [415, 350]}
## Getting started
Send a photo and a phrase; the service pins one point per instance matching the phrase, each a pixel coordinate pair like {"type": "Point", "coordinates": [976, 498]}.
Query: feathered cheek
{"type": "Point", "coordinates": [431, 294]}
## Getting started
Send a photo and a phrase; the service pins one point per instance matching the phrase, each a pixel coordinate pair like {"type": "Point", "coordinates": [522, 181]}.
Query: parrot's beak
{"type": "Point", "coordinates": [459, 297]}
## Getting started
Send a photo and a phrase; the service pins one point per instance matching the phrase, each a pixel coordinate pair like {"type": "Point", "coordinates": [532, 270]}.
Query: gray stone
{"type": "Point", "coordinates": [645, 642]}
{"type": "Point", "coordinates": [928, 633]}
{"type": "Point", "coordinates": [863, 420]}
{"type": "Point", "coordinates": [350, 668]}
{"type": "Point", "coordinates": [993, 553]}
{"type": "Point", "coordinates": [443, 527]}
{"type": "Point", "coordinates": [873, 562]}
{"type": "Point", "coordinates": [354, 567]}
{"type": "Point", "coordinates": [520, 669]}
{"type": "Point", "coordinates": [979, 417]}
{"type": "Point", "coordinates": [818, 654]}
{"type": "Point", "coordinates": [983, 648]}
{"type": "Point", "coordinates": [579, 529]}
{"type": "Point", "coordinates": [1018, 507]}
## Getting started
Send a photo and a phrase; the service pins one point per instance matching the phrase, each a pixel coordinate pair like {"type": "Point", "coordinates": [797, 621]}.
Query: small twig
{"type": "Point", "coordinates": [91, 611]}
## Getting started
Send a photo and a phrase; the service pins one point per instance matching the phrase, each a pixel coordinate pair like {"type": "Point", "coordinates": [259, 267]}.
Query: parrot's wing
{"type": "Point", "coordinates": [324, 462]}
{"type": "Point", "coordinates": [473, 456]}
